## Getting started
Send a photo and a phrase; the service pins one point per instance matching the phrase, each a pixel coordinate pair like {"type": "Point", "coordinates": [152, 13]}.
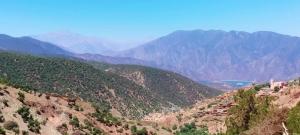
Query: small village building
{"type": "Point", "coordinates": [279, 84]}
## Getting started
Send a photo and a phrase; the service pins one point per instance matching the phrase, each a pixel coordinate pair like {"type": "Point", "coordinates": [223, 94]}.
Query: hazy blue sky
{"type": "Point", "coordinates": [132, 20]}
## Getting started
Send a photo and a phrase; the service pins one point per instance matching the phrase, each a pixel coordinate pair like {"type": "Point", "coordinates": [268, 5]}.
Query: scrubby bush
{"type": "Point", "coordinates": [2, 131]}
{"type": "Point", "coordinates": [21, 97]}
{"type": "Point", "coordinates": [106, 117]}
{"type": "Point", "coordinates": [126, 126]}
{"type": "Point", "coordinates": [96, 131]}
{"type": "Point", "coordinates": [11, 125]}
{"type": "Point", "coordinates": [34, 126]}
{"type": "Point", "coordinates": [191, 129]}
{"type": "Point", "coordinates": [120, 130]}
{"type": "Point", "coordinates": [75, 122]}
{"type": "Point", "coordinates": [5, 102]}
{"type": "Point", "coordinates": [25, 132]}
{"type": "Point", "coordinates": [276, 89]}
{"type": "Point", "coordinates": [135, 131]}
{"type": "Point", "coordinates": [2, 119]}
{"type": "Point", "coordinates": [25, 113]}
{"type": "Point", "coordinates": [174, 127]}
{"type": "Point", "coordinates": [260, 86]}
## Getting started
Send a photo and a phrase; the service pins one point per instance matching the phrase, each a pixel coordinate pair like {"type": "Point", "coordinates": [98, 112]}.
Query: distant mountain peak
{"type": "Point", "coordinates": [223, 55]}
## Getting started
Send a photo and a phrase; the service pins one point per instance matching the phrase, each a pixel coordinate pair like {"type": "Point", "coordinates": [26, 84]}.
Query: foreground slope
{"type": "Point", "coordinates": [68, 77]}
{"type": "Point", "coordinates": [52, 114]}
{"type": "Point", "coordinates": [258, 110]}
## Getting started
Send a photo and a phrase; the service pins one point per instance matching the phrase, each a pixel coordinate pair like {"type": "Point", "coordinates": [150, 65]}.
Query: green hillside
{"type": "Point", "coordinates": [103, 88]}
{"type": "Point", "coordinates": [173, 87]}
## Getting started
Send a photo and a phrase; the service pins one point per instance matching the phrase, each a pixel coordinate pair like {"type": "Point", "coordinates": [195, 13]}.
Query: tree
{"type": "Point", "coordinates": [248, 112]}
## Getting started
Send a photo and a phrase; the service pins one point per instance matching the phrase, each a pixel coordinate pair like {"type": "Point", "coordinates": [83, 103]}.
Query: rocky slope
{"type": "Point", "coordinates": [34, 113]}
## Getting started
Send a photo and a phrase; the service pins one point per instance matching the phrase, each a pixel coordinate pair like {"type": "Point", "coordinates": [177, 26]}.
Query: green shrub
{"type": "Point", "coordinates": [293, 120]}
{"type": "Point", "coordinates": [96, 131]}
{"type": "Point", "coordinates": [142, 131]}
{"type": "Point", "coordinates": [106, 117]}
{"type": "Point", "coordinates": [191, 129]}
{"type": "Point", "coordinates": [174, 127]}
{"type": "Point", "coordinates": [75, 122]}
{"type": "Point", "coordinates": [21, 97]}
{"type": "Point", "coordinates": [25, 132]}
{"type": "Point", "coordinates": [25, 113]}
{"type": "Point", "coordinates": [133, 129]}
{"type": "Point", "coordinates": [260, 86]}
{"type": "Point", "coordinates": [2, 131]}
{"type": "Point", "coordinates": [34, 126]}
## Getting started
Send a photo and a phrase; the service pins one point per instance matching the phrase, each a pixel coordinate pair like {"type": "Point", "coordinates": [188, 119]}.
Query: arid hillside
{"type": "Point", "coordinates": [51, 114]}
{"type": "Point", "coordinates": [271, 111]}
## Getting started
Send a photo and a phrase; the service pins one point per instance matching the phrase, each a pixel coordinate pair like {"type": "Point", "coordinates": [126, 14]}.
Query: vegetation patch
{"type": "Point", "coordinates": [249, 111]}
{"type": "Point", "coordinates": [191, 129]}
{"type": "Point", "coordinates": [293, 120]}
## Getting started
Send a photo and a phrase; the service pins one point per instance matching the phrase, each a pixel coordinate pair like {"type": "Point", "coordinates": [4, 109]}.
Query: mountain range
{"type": "Point", "coordinates": [29, 45]}
{"type": "Point", "coordinates": [204, 56]}
{"type": "Point", "coordinates": [221, 55]}
{"type": "Point", "coordinates": [81, 44]}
